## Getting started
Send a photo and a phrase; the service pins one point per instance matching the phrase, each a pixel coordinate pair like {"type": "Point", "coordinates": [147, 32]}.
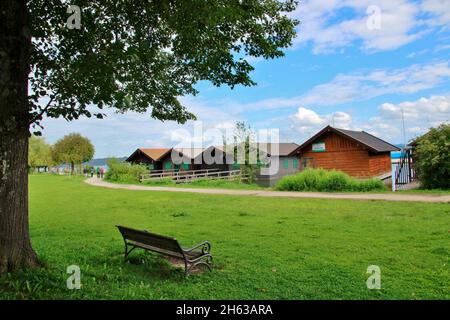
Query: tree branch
{"type": "Point", "coordinates": [39, 116]}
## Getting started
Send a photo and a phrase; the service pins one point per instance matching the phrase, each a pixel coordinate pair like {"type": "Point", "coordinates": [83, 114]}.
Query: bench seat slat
{"type": "Point", "coordinates": [157, 249]}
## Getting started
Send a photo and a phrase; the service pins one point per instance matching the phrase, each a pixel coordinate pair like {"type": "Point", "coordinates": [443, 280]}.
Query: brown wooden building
{"type": "Point", "coordinates": [357, 153]}
{"type": "Point", "coordinates": [149, 156]}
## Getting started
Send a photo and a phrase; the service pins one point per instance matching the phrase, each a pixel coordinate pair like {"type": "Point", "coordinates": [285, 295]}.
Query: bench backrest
{"type": "Point", "coordinates": [151, 239]}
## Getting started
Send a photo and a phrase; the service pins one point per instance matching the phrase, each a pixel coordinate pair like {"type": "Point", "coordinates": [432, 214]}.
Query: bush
{"type": "Point", "coordinates": [432, 158]}
{"type": "Point", "coordinates": [123, 171]}
{"type": "Point", "coordinates": [323, 180]}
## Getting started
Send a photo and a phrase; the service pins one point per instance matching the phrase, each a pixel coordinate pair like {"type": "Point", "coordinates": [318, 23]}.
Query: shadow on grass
{"type": "Point", "coordinates": [150, 265]}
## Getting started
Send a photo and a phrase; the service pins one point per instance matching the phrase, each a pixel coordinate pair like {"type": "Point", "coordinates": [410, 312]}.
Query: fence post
{"type": "Point", "coordinates": [409, 166]}
{"type": "Point", "coordinates": [393, 168]}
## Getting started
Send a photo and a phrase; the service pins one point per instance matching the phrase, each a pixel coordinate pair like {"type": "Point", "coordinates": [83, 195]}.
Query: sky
{"type": "Point", "coordinates": [354, 64]}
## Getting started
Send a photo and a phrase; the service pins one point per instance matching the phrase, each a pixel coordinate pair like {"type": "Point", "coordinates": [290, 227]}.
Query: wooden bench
{"type": "Point", "coordinates": [197, 255]}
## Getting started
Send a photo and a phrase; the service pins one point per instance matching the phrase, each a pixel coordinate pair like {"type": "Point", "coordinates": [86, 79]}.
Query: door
{"type": "Point", "coordinates": [307, 163]}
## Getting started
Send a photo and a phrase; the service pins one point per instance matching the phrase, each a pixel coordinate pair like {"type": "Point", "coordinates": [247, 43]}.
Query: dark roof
{"type": "Point", "coordinates": [284, 148]}
{"type": "Point", "coordinates": [370, 141]}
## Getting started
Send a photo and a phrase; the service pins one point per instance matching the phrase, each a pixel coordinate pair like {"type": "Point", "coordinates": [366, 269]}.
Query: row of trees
{"type": "Point", "coordinates": [72, 149]}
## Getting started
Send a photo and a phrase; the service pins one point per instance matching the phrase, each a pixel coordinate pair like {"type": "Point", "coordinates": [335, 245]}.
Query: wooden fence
{"type": "Point", "coordinates": [184, 176]}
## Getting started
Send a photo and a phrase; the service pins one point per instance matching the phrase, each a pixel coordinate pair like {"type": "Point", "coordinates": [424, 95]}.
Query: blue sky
{"type": "Point", "coordinates": [356, 64]}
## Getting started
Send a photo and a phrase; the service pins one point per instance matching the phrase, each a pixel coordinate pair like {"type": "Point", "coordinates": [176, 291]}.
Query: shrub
{"type": "Point", "coordinates": [432, 158]}
{"type": "Point", "coordinates": [323, 180]}
{"type": "Point", "coordinates": [123, 171]}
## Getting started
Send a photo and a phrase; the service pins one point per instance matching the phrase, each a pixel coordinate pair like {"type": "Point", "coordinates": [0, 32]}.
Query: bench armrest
{"type": "Point", "coordinates": [205, 247]}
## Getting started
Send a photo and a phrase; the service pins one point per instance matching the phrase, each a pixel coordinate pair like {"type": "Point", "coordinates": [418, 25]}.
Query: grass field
{"type": "Point", "coordinates": [264, 248]}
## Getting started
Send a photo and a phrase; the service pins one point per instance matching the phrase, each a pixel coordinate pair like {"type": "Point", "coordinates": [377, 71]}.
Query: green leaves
{"type": "Point", "coordinates": [432, 158]}
{"type": "Point", "coordinates": [39, 152]}
{"type": "Point", "coordinates": [73, 149]}
{"type": "Point", "coordinates": [135, 55]}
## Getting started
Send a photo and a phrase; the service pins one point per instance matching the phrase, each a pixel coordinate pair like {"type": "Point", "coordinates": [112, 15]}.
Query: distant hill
{"type": "Point", "coordinates": [101, 162]}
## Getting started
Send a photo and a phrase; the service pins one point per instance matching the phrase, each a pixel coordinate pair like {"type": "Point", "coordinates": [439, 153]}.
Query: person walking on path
{"type": "Point", "coordinates": [102, 171]}
{"type": "Point", "coordinates": [98, 172]}
{"type": "Point", "coordinates": [92, 172]}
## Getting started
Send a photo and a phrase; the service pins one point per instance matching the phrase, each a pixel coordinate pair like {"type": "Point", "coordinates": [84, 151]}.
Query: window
{"type": "Point", "coordinates": [168, 166]}
{"type": "Point", "coordinates": [151, 166]}
{"type": "Point", "coordinates": [295, 163]}
{"type": "Point", "coordinates": [177, 167]}
{"type": "Point", "coordinates": [186, 166]}
{"type": "Point", "coordinates": [286, 163]}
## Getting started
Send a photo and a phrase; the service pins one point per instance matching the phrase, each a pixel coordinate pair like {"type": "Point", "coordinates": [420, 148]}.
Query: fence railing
{"type": "Point", "coordinates": [219, 175]}
{"type": "Point", "coordinates": [404, 172]}
{"type": "Point", "coordinates": [183, 176]}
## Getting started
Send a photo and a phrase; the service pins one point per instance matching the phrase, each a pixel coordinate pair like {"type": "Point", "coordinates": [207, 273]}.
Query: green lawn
{"type": "Point", "coordinates": [264, 248]}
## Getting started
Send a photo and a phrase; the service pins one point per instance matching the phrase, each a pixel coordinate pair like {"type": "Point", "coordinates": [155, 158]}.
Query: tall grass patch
{"type": "Point", "coordinates": [327, 180]}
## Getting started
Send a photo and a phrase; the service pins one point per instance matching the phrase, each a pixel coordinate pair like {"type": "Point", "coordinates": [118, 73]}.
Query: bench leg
{"type": "Point", "coordinates": [205, 260]}
{"type": "Point", "coordinates": [186, 270]}
{"type": "Point", "coordinates": [127, 252]}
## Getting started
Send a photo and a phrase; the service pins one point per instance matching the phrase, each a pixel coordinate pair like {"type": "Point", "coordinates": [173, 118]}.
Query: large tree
{"type": "Point", "coordinates": [128, 55]}
{"type": "Point", "coordinates": [73, 149]}
{"type": "Point", "coordinates": [39, 152]}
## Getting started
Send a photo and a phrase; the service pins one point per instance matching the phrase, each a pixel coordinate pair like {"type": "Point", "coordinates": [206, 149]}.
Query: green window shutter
{"type": "Point", "coordinates": [186, 166]}
{"type": "Point", "coordinates": [177, 166]}
{"type": "Point", "coordinates": [168, 166]}
{"type": "Point", "coordinates": [295, 163]}
{"type": "Point", "coordinates": [286, 164]}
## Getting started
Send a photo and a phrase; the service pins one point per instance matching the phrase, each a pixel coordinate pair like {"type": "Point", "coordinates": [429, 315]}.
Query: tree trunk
{"type": "Point", "coordinates": [15, 43]}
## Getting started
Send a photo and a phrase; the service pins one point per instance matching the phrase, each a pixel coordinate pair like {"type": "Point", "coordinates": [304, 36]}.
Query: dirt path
{"type": "Point", "coordinates": [263, 193]}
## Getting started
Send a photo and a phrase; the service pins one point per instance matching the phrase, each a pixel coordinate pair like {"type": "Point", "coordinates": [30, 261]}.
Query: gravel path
{"type": "Point", "coordinates": [263, 193]}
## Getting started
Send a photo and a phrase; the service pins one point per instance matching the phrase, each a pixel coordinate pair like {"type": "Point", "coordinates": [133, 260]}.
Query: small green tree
{"type": "Point", "coordinates": [432, 158]}
{"type": "Point", "coordinates": [73, 149]}
{"type": "Point", "coordinates": [242, 139]}
{"type": "Point", "coordinates": [39, 153]}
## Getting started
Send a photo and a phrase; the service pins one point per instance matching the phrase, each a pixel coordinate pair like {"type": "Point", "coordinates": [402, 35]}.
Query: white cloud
{"type": "Point", "coordinates": [417, 53]}
{"type": "Point", "coordinates": [393, 27]}
{"type": "Point", "coordinates": [438, 10]}
{"type": "Point", "coordinates": [358, 86]}
{"type": "Point", "coordinates": [419, 116]}
{"type": "Point", "coordinates": [307, 120]}
{"type": "Point", "coordinates": [433, 110]}
{"type": "Point", "coordinates": [393, 23]}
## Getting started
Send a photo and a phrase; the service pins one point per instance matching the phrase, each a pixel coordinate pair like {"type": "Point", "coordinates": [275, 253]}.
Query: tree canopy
{"type": "Point", "coordinates": [135, 55]}
{"type": "Point", "coordinates": [432, 158]}
{"type": "Point", "coordinates": [73, 149]}
{"type": "Point", "coordinates": [39, 152]}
